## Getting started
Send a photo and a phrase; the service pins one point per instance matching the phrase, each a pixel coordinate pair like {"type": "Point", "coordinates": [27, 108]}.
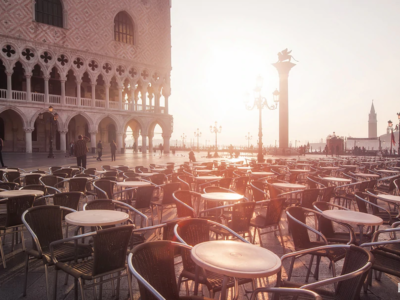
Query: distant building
{"type": "Point", "coordinates": [372, 123]}
{"type": "Point", "coordinates": [335, 144]}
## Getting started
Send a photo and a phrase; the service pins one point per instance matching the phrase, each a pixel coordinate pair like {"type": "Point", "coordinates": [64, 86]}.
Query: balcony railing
{"type": "Point", "coordinates": [73, 101]}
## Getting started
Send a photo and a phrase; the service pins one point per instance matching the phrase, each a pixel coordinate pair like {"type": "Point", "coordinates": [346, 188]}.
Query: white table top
{"type": "Point", "coordinates": [158, 169]}
{"type": "Point", "coordinates": [200, 167]}
{"type": "Point", "coordinates": [367, 175]}
{"type": "Point", "coordinates": [96, 217]}
{"type": "Point", "coordinates": [391, 198]}
{"type": "Point", "coordinates": [349, 166]}
{"type": "Point", "coordinates": [386, 171]}
{"type": "Point", "coordinates": [329, 168]}
{"type": "Point", "coordinates": [222, 196]}
{"type": "Point", "coordinates": [14, 193]}
{"type": "Point", "coordinates": [116, 167]}
{"type": "Point", "coordinates": [101, 171]}
{"type": "Point", "coordinates": [146, 174]}
{"type": "Point", "coordinates": [303, 164]}
{"type": "Point", "coordinates": [244, 168]}
{"type": "Point", "coordinates": [284, 185]}
{"type": "Point", "coordinates": [352, 217]}
{"type": "Point", "coordinates": [263, 173]}
{"type": "Point", "coordinates": [208, 177]}
{"type": "Point", "coordinates": [133, 183]}
{"type": "Point", "coordinates": [336, 179]}
{"type": "Point", "coordinates": [203, 171]}
{"type": "Point", "coordinates": [236, 259]}
{"type": "Point", "coordinates": [299, 171]}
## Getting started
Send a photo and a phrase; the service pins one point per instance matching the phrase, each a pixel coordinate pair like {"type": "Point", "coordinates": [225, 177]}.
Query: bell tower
{"type": "Point", "coordinates": [372, 123]}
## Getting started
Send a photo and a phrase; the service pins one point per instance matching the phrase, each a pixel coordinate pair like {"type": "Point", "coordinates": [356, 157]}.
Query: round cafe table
{"type": "Point", "coordinates": [244, 168]}
{"type": "Point", "coordinates": [146, 174]}
{"type": "Point", "coordinates": [336, 179]}
{"type": "Point", "coordinates": [289, 186]}
{"type": "Point", "coordinates": [262, 174]}
{"type": "Point", "coordinates": [234, 259]}
{"type": "Point", "coordinates": [158, 169]}
{"type": "Point", "coordinates": [367, 175]}
{"type": "Point", "coordinates": [387, 171]}
{"type": "Point", "coordinates": [14, 193]}
{"type": "Point", "coordinates": [96, 217]}
{"type": "Point", "coordinates": [210, 177]}
{"type": "Point", "coordinates": [329, 168]}
{"type": "Point", "coordinates": [299, 171]}
{"type": "Point", "coordinates": [222, 197]}
{"type": "Point", "coordinates": [203, 171]}
{"type": "Point", "coordinates": [133, 183]}
{"type": "Point", "coordinates": [353, 218]}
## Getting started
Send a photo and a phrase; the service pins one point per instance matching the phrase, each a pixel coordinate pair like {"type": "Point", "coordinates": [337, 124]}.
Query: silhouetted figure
{"type": "Point", "coordinates": [1, 149]}
{"type": "Point", "coordinates": [80, 150]}
{"type": "Point", "coordinates": [99, 150]}
{"type": "Point", "coordinates": [326, 150]}
{"type": "Point", "coordinates": [192, 158]}
{"type": "Point", "coordinates": [113, 147]}
{"type": "Point", "coordinates": [161, 148]}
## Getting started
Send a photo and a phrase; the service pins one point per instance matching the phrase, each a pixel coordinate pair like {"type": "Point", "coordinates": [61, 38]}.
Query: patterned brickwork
{"type": "Point", "coordinates": [89, 28]}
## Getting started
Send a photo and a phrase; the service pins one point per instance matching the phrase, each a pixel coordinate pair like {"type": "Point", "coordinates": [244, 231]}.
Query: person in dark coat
{"type": "Point", "coordinates": [99, 150]}
{"type": "Point", "coordinates": [113, 147]}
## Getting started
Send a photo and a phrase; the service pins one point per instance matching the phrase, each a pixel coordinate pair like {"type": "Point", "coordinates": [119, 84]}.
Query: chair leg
{"type": "Point", "coordinates": [291, 268]}
{"type": "Point", "coordinates": [118, 284]}
{"type": "Point", "coordinates": [317, 268]}
{"type": "Point", "coordinates": [23, 239]}
{"type": "Point", "coordinates": [3, 258]}
{"type": "Point", "coordinates": [259, 236]}
{"type": "Point", "coordinates": [82, 290]}
{"type": "Point", "coordinates": [309, 268]}
{"type": "Point", "coordinates": [282, 242]}
{"type": "Point", "coordinates": [130, 283]}
{"type": "Point", "coordinates": [46, 272]}
{"type": "Point", "coordinates": [76, 289]}
{"type": "Point", "coordinates": [26, 274]}
{"type": "Point", "coordinates": [55, 284]}
{"type": "Point", "coordinates": [101, 288]}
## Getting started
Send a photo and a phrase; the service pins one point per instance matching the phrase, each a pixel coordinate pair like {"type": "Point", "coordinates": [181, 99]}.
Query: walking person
{"type": "Point", "coordinates": [1, 149]}
{"type": "Point", "coordinates": [113, 147]}
{"type": "Point", "coordinates": [161, 148]}
{"type": "Point", "coordinates": [81, 150]}
{"type": "Point", "coordinates": [99, 150]}
{"type": "Point", "coordinates": [71, 149]}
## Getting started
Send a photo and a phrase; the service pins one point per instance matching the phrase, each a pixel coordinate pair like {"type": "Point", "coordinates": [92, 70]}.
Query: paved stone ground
{"type": "Point", "coordinates": [11, 278]}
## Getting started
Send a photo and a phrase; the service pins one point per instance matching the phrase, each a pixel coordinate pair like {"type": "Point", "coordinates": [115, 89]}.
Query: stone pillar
{"type": "Point", "coordinates": [166, 139]}
{"type": "Point", "coordinates": [120, 143]}
{"type": "Point", "coordinates": [107, 85]}
{"type": "Point", "coordinates": [63, 141]}
{"type": "Point", "coordinates": [62, 91]}
{"type": "Point", "coordinates": [28, 88]}
{"type": "Point", "coordinates": [283, 70]}
{"type": "Point", "coordinates": [93, 141]}
{"type": "Point", "coordinates": [120, 87]}
{"type": "Point", "coordinates": [133, 98]}
{"type": "Point", "coordinates": [144, 144]}
{"type": "Point", "coordinates": [46, 89]}
{"type": "Point", "coordinates": [166, 93]}
{"type": "Point", "coordinates": [78, 92]}
{"type": "Point", "coordinates": [93, 95]}
{"type": "Point", "coordinates": [143, 92]}
{"type": "Point", "coordinates": [136, 143]}
{"type": "Point", "coordinates": [157, 96]}
{"type": "Point", "coordinates": [28, 139]}
{"type": "Point", "coordinates": [9, 85]}
{"type": "Point", "coordinates": [151, 143]}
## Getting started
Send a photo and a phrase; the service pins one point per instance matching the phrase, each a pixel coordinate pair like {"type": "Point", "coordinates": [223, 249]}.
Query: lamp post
{"type": "Point", "coordinates": [216, 130]}
{"type": "Point", "coordinates": [248, 137]}
{"type": "Point", "coordinates": [260, 102]}
{"type": "Point", "coordinates": [198, 135]}
{"type": "Point", "coordinates": [183, 137]}
{"type": "Point", "coordinates": [390, 124]}
{"type": "Point", "coordinates": [52, 121]}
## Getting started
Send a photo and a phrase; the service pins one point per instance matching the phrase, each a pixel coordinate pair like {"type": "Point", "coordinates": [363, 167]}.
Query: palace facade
{"type": "Point", "coordinates": [101, 65]}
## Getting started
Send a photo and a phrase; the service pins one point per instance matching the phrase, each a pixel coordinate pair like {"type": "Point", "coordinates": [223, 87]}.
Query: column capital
{"type": "Point", "coordinates": [78, 81]}
{"type": "Point", "coordinates": [28, 76]}
{"type": "Point", "coordinates": [166, 135]}
{"type": "Point", "coordinates": [29, 129]}
{"type": "Point", "coordinates": [283, 67]}
{"type": "Point", "coordinates": [46, 77]}
{"type": "Point", "coordinates": [63, 131]}
{"type": "Point", "coordinates": [9, 73]}
{"type": "Point", "coordinates": [93, 132]}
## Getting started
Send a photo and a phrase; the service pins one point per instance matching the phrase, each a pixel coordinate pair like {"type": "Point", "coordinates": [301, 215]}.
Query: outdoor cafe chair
{"type": "Point", "coordinates": [15, 206]}
{"type": "Point", "coordinates": [240, 185]}
{"type": "Point", "coordinates": [187, 182]}
{"type": "Point", "coordinates": [31, 179]}
{"type": "Point", "coordinates": [109, 256]}
{"type": "Point", "coordinates": [258, 192]}
{"type": "Point", "coordinates": [90, 171]}
{"type": "Point", "coordinates": [9, 185]}
{"type": "Point", "coordinates": [106, 167]}
{"type": "Point", "coordinates": [357, 263]}
{"type": "Point", "coordinates": [165, 199]}
{"type": "Point", "coordinates": [301, 240]}
{"type": "Point", "coordinates": [158, 255]}
{"type": "Point", "coordinates": [104, 188]}
{"type": "Point", "coordinates": [13, 176]}
{"type": "Point", "coordinates": [185, 201]}
{"type": "Point", "coordinates": [45, 226]}
{"type": "Point", "coordinates": [54, 168]}
{"type": "Point", "coordinates": [287, 292]}
{"type": "Point", "coordinates": [192, 232]}
{"type": "Point", "coordinates": [268, 217]}
{"type": "Point", "coordinates": [51, 180]}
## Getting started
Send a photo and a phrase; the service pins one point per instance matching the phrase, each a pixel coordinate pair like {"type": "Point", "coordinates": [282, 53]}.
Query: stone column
{"type": "Point", "coordinates": [283, 70]}
{"type": "Point", "coordinates": [9, 85]}
{"type": "Point", "coordinates": [62, 91]}
{"type": "Point", "coordinates": [120, 87]}
{"type": "Point", "coordinates": [151, 143]}
{"type": "Point", "coordinates": [93, 95]}
{"type": "Point", "coordinates": [46, 88]}
{"type": "Point", "coordinates": [120, 143]}
{"type": "Point", "coordinates": [78, 92]}
{"type": "Point", "coordinates": [63, 141]}
{"type": "Point", "coordinates": [133, 98]}
{"type": "Point", "coordinates": [166, 145]}
{"type": "Point", "coordinates": [28, 88]}
{"type": "Point", "coordinates": [157, 96]}
{"type": "Point", "coordinates": [166, 93]}
{"type": "Point", "coordinates": [28, 139]}
{"type": "Point", "coordinates": [107, 85]}
{"type": "Point", "coordinates": [144, 144]}
{"type": "Point", "coordinates": [93, 141]}
{"type": "Point", "coordinates": [143, 92]}
{"type": "Point", "coordinates": [136, 143]}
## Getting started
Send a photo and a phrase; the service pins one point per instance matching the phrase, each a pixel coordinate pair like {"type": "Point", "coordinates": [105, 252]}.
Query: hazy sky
{"type": "Point", "coordinates": [348, 53]}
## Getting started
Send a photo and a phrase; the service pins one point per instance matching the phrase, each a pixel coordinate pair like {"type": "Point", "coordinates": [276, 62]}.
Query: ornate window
{"type": "Point", "coordinates": [49, 12]}
{"type": "Point", "coordinates": [123, 28]}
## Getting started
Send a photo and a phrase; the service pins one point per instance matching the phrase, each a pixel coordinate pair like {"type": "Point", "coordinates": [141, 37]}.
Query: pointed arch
{"type": "Point", "coordinates": [124, 28]}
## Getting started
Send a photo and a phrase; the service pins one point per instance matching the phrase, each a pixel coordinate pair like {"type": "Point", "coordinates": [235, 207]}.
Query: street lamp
{"type": "Point", "coordinates": [260, 102]}
{"type": "Point", "coordinates": [390, 124]}
{"type": "Point", "coordinates": [52, 121]}
{"type": "Point", "coordinates": [197, 134]}
{"type": "Point", "coordinates": [214, 129]}
{"type": "Point", "coordinates": [183, 137]}
{"type": "Point", "coordinates": [248, 137]}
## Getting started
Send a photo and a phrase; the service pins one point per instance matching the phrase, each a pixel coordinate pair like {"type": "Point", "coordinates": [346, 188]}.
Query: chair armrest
{"type": "Point", "coordinates": [380, 243]}
{"type": "Point", "coordinates": [134, 210]}
{"type": "Point", "coordinates": [216, 208]}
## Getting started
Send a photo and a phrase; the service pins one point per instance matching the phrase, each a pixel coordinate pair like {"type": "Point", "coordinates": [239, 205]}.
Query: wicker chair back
{"type": "Point", "coordinates": [16, 207]}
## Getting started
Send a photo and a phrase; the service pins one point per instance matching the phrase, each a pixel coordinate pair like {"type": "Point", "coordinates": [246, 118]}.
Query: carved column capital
{"type": "Point", "coordinates": [29, 129]}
